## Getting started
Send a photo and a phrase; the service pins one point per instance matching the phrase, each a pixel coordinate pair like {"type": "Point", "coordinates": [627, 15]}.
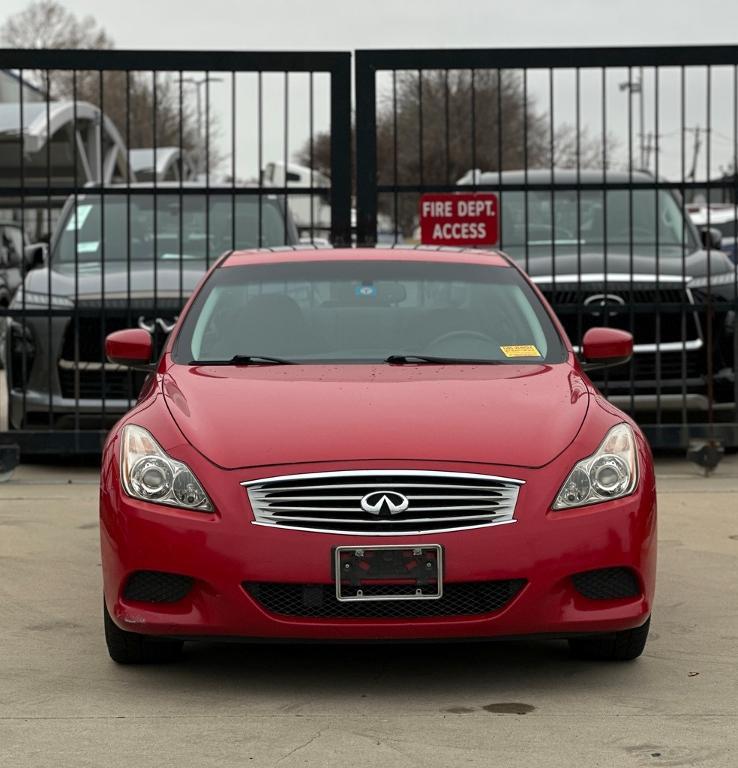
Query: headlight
{"type": "Point", "coordinates": [33, 299]}
{"type": "Point", "coordinates": [609, 473]}
{"type": "Point", "coordinates": [713, 281]}
{"type": "Point", "coordinates": [148, 473]}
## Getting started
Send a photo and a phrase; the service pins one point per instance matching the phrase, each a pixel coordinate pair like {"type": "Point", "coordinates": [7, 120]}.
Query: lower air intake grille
{"type": "Point", "coordinates": [607, 584]}
{"type": "Point", "coordinates": [319, 601]}
{"type": "Point", "coordinates": [157, 587]}
{"type": "Point", "coordinates": [97, 385]}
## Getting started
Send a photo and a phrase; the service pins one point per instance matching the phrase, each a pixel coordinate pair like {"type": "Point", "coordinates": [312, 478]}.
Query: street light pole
{"type": "Point", "coordinates": [200, 135]}
{"type": "Point", "coordinates": [642, 118]}
{"type": "Point", "coordinates": [633, 87]}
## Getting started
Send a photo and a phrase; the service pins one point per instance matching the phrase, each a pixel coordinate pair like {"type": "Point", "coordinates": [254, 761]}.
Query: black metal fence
{"type": "Point", "coordinates": [123, 175]}
{"type": "Point", "coordinates": [615, 171]}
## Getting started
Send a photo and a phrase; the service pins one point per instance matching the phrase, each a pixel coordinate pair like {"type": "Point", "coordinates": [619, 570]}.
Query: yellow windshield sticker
{"type": "Point", "coordinates": [521, 350]}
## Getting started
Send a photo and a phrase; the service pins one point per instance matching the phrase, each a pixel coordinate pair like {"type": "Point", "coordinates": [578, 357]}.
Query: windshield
{"type": "Point", "coordinates": [365, 311]}
{"type": "Point", "coordinates": [589, 218]}
{"type": "Point", "coordinates": [167, 227]}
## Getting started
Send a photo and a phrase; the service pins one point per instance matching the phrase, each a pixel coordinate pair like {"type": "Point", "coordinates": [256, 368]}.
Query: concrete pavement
{"type": "Point", "coordinates": [526, 704]}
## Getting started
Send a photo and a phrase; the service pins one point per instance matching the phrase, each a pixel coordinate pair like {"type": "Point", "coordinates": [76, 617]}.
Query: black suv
{"type": "Point", "coordinates": [618, 250]}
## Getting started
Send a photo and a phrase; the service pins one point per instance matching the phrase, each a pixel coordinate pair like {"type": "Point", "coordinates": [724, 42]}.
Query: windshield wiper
{"type": "Point", "coordinates": [245, 360]}
{"type": "Point", "coordinates": [402, 359]}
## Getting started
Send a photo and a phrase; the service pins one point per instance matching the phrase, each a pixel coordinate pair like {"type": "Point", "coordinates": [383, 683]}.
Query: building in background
{"type": "Point", "coordinates": [11, 83]}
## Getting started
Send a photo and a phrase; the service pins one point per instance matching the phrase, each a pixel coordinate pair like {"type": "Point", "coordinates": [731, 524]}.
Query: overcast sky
{"type": "Point", "coordinates": [349, 25]}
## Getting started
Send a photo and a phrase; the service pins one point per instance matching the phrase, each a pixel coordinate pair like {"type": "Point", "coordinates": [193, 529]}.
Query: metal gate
{"type": "Point", "coordinates": [123, 175]}
{"type": "Point", "coordinates": [615, 171]}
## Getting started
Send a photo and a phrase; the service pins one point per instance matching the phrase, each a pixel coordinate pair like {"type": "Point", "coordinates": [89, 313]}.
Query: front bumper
{"type": "Point", "coordinates": [35, 409]}
{"type": "Point", "coordinates": [52, 385]}
{"type": "Point", "coordinates": [222, 551]}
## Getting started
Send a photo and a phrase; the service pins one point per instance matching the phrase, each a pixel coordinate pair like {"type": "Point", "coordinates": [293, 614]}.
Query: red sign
{"type": "Point", "coordinates": [459, 219]}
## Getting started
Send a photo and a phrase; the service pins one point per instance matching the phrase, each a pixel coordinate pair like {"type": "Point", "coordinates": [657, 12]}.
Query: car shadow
{"type": "Point", "coordinates": [499, 675]}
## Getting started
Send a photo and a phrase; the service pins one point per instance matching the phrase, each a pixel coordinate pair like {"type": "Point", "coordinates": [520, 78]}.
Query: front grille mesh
{"type": "Point", "coordinates": [651, 312]}
{"type": "Point", "coordinates": [332, 501]}
{"type": "Point", "coordinates": [607, 584]}
{"type": "Point", "coordinates": [645, 370]}
{"type": "Point", "coordinates": [82, 367]}
{"type": "Point", "coordinates": [113, 385]}
{"type": "Point", "coordinates": [319, 601]}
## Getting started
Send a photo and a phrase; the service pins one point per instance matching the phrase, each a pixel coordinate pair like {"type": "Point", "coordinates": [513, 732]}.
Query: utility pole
{"type": "Point", "coordinates": [647, 152]}
{"type": "Point", "coordinates": [641, 114]}
{"type": "Point", "coordinates": [697, 131]}
{"type": "Point", "coordinates": [198, 84]}
{"type": "Point", "coordinates": [636, 87]}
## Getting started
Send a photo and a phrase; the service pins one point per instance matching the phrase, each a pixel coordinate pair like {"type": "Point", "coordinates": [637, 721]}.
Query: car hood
{"type": "Point", "coordinates": [270, 415]}
{"type": "Point", "coordinates": [116, 280]}
{"type": "Point", "coordinates": [540, 261]}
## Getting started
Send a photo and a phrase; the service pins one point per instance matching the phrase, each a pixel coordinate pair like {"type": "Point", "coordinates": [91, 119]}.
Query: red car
{"type": "Point", "coordinates": [374, 444]}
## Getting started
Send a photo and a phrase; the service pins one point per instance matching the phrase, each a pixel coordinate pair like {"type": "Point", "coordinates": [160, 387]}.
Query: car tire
{"type": "Point", "coordinates": [132, 648]}
{"type": "Point", "coordinates": [615, 646]}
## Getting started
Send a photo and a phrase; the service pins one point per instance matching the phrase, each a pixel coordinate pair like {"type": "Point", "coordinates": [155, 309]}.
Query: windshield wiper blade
{"type": "Point", "coordinates": [245, 360]}
{"type": "Point", "coordinates": [402, 359]}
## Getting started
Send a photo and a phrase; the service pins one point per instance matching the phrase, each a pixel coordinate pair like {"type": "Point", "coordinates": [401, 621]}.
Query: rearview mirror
{"type": "Point", "coordinates": [606, 347]}
{"type": "Point", "coordinates": [711, 237]}
{"type": "Point", "coordinates": [132, 347]}
{"type": "Point", "coordinates": [35, 255]}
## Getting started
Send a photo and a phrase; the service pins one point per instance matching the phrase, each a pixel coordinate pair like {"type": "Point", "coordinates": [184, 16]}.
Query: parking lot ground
{"type": "Point", "coordinates": [527, 704]}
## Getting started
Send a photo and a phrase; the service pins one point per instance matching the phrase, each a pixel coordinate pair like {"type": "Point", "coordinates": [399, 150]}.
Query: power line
{"type": "Point", "coordinates": [697, 131]}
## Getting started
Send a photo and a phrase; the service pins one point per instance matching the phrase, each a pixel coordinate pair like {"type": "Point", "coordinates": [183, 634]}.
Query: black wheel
{"type": "Point", "coordinates": [131, 648]}
{"type": "Point", "coordinates": [616, 646]}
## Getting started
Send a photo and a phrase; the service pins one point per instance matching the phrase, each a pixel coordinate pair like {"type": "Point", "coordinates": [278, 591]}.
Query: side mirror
{"type": "Point", "coordinates": [711, 238]}
{"type": "Point", "coordinates": [132, 347]}
{"type": "Point", "coordinates": [35, 255]}
{"type": "Point", "coordinates": [606, 347]}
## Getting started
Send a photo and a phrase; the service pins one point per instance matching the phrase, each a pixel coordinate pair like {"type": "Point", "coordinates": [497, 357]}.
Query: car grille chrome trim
{"type": "Point", "coordinates": [610, 277]}
{"type": "Point", "coordinates": [665, 346]}
{"type": "Point", "coordinates": [568, 295]}
{"type": "Point", "coordinates": [330, 502]}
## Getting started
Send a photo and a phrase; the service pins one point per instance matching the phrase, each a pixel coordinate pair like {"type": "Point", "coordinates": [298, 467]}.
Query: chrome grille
{"type": "Point", "coordinates": [651, 307]}
{"type": "Point", "coordinates": [331, 502]}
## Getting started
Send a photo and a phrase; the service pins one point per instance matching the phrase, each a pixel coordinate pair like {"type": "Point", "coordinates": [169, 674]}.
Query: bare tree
{"type": "Point", "coordinates": [47, 24]}
{"type": "Point", "coordinates": [316, 153]}
{"type": "Point", "coordinates": [147, 108]}
{"type": "Point", "coordinates": [574, 149]}
{"type": "Point", "coordinates": [434, 127]}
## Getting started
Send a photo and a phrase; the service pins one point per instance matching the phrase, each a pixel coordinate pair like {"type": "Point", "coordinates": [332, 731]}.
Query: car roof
{"type": "Point", "coordinates": [716, 215]}
{"type": "Point", "coordinates": [300, 254]}
{"type": "Point", "coordinates": [213, 186]}
{"type": "Point", "coordinates": [565, 176]}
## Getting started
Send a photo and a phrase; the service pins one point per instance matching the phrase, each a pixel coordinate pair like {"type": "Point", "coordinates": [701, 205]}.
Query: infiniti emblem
{"type": "Point", "coordinates": [384, 503]}
{"type": "Point", "coordinates": [149, 324]}
{"type": "Point", "coordinates": [597, 303]}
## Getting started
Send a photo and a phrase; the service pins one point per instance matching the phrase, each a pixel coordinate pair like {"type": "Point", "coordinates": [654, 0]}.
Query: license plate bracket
{"type": "Point", "coordinates": [388, 572]}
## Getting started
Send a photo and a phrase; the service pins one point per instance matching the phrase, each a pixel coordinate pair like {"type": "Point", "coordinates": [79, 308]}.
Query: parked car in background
{"type": "Point", "coordinates": [16, 258]}
{"type": "Point", "coordinates": [130, 259]}
{"type": "Point", "coordinates": [346, 444]}
{"type": "Point", "coordinates": [162, 164]}
{"type": "Point", "coordinates": [628, 259]}
{"type": "Point", "coordinates": [13, 259]}
{"type": "Point", "coordinates": [724, 220]}
{"type": "Point", "coordinates": [310, 212]}
{"type": "Point", "coordinates": [4, 302]}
